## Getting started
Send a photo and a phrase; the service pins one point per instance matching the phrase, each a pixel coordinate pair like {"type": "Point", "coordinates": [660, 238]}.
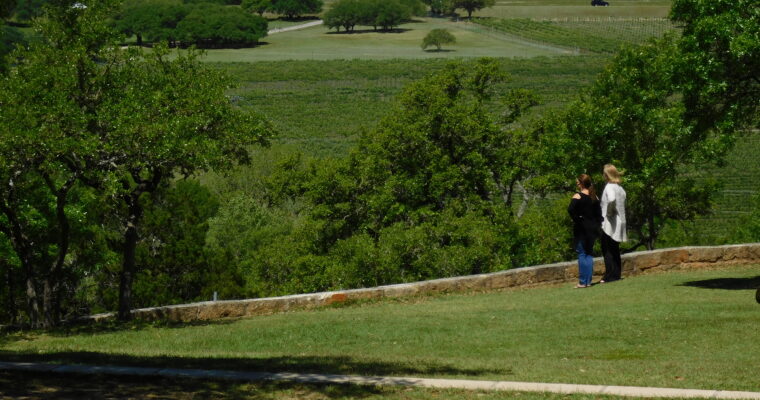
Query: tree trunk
{"type": "Point", "coordinates": [139, 40]}
{"type": "Point", "coordinates": [22, 246]}
{"type": "Point", "coordinates": [11, 294]}
{"type": "Point", "coordinates": [131, 236]}
{"type": "Point", "coordinates": [652, 232]}
{"type": "Point", "coordinates": [129, 261]}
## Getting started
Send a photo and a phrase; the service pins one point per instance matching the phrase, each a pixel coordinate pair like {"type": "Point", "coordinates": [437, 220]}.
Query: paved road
{"type": "Point", "coordinates": [295, 27]}
{"type": "Point", "coordinates": [631, 391]}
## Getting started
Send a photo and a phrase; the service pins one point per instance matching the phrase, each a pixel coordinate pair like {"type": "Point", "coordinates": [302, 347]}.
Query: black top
{"type": "Point", "coordinates": [587, 217]}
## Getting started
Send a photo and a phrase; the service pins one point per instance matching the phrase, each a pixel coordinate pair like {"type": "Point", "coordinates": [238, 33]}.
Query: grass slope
{"type": "Point", "coordinates": [691, 329]}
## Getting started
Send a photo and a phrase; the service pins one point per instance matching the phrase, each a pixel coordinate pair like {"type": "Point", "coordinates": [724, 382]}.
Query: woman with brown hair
{"type": "Point", "coordinates": [586, 213]}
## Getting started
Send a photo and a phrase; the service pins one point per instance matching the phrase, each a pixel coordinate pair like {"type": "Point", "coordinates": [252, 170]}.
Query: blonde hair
{"type": "Point", "coordinates": [611, 174]}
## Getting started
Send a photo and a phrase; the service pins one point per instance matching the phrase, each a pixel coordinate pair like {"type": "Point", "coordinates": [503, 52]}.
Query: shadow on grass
{"type": "Point", "coordinates": [341, 365]}
{"type": "Point", "coordinates": [726, 283]}
{"type": "Point", "coordinates": [438, 51]}
{"type": "Point", "coordinates": [71, 386]}
{"type": "Point", "coordinates": [361, 31]}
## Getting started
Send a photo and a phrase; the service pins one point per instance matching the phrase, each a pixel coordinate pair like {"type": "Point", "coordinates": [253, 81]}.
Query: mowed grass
{"type": "Point", "coordinates": [319, 43]}
{"type": "Point", "coordinates": [683, 328]}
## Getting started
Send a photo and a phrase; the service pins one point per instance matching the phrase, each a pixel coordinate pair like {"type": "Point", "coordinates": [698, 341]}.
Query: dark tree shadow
{"type": "Point", "coordinates": [361, 31]}
{"type": "Point", "coordinates": [726, 283]}
{"type": "Point", "coordinates": [438, 51]}
{"type": "Point", "coordinates": [341, 365]}
{"type": "Point", "coordinates": [22, 384]}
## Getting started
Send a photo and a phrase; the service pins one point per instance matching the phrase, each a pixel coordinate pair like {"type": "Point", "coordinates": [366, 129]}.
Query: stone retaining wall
{"type": "Point", "coordinates": [633, 263]}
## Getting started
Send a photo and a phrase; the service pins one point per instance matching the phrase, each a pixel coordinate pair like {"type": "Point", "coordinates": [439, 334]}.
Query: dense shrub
{"type": "Point", "coordinates": [203, 24]}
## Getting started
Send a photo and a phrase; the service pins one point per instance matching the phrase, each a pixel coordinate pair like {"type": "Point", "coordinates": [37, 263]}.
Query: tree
{"type": "Point", "coordinates": [633, 118]}
{"type": "Point", "coordinates": [345, 14]}
{"type": "Point", "coordinates": [257, 6]}
{"type": "Point", "coordinates": [120, 121]}
{"type": "Point", "coordinates": [473, 5]}
{"type": "Point", "coordinates": [211, 25]}
{"type": "Point", "coordinates": [440, 7]}
{"type": "Point", "coordinates": [295, 8]}
{"type": "Point", "coordinates": [6, 8]}
{"type": "Point", "coordinates": [720, 57]}
{"type": "Point", "coordinates": [435, 178]}
{"type": "Point", "coordinates": [437, 38]}
{"type": "Point", "coordinates": [154, 20]}
{"type": "Point", "coordinates": [390, 13]}
{"type": "Point", "coordinates": [47, 101]}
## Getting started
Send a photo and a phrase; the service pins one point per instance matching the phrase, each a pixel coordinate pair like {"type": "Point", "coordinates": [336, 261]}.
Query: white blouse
{"type": "Point", "coordinates": [613, 211]}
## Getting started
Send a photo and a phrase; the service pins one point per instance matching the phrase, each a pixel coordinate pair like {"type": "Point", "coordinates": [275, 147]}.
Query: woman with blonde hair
{"type": "Point", "coordinates": [613, 225]}
{"type": "Point", "coordinates": [586, 214]}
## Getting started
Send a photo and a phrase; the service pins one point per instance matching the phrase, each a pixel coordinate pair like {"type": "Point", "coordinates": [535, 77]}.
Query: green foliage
{"type": "Point", "coordinates": [295, 8]}
{"type": "Point", "coordinates": [386, 14]}
{"type": "Point", "coordinates": [257, 6]}
{"type": "Point", "coordinates": [203, 25]}
{"type": "Point", "coordinates": [632, 117]}
{"type": "Point", "coordinates": [437, 38]}
{"type": "Point", "coordinates": [26, 10]}
{"type": "Point", "coordinates": [545, 233]}
{"type": "Point", "coordinates": [153, 20]}
{"type": "Point", "coordinates": [6, 8]}
{"type": "Point", "coordinates": [473, 5]}
{"type": "Point", "coordinates": [208, 25]}
{"type": "Point", "coordinates": [10, 37]}
{"type": "Point", "coordinates": [440, 7]}
{"type": "Point", "coordinates": [344, 14]}
{"type": "Point", "coordinates": [175, 265]}
{"type": "Point", "coordinates": [749, 227]}
{"type": "Point", "coordinates": [720, 59]}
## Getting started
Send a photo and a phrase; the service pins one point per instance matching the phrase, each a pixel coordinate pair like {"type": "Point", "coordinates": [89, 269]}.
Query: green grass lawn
{"type": "Point", "coordinates": [690, 329]}
{"type": "Point", "coordinates": [319, 43]}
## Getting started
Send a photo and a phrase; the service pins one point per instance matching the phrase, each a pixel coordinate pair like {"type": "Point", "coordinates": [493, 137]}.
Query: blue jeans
{"type": "Point", "coordinates": [585, 264]}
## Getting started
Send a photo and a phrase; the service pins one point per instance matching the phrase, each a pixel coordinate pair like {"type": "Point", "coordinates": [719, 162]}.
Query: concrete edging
{"type": "Point", "coordinates": [633, 264]}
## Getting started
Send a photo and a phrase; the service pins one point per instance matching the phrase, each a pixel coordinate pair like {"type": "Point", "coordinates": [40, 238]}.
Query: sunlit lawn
{"type": "Point", "coordinates": [693, 329]}
{"type": "Point", "coordinates": [319, 43]}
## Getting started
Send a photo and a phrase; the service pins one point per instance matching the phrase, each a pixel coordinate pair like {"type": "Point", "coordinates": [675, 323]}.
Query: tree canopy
{"type": "Point", "coordinates": [80, 111]}
{"type": "Point", "coordinates": [720, 60]}
{"type": "Point", "coordinates": [437, 38]}
{"type": "Point", "coordinates": [296, 8]}
{"type": "Point", "coordinates": [472, 5]}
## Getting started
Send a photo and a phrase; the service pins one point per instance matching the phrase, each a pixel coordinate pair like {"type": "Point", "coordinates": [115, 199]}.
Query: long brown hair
{"type": "Point", "coordinates": [586, 183]}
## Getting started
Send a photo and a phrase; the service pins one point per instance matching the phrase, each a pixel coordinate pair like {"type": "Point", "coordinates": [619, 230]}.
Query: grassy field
{"type": "Point", "coordinates": [690, 329]}
{"type": "Point", "coordinates": [575, 8]}
{"type": "Point", "coordinates": [598, 35]}
{"type": "Point", "coordinates": [319, 43]}
{"type": "Point", "coordinates": [321, 106]}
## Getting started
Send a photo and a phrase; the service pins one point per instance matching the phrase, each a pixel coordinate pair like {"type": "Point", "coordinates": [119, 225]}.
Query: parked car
{"type": "Point", "coordinates": [599, 3]}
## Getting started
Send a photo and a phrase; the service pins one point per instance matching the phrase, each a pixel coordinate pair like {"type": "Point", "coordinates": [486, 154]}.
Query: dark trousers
{"type": "Point", "coordinates": [612, 262]}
